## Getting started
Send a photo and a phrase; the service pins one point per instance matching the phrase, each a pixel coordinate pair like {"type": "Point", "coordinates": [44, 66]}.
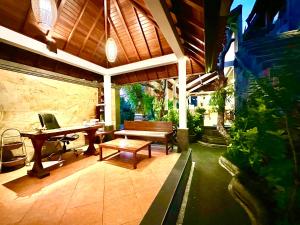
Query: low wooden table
{"type": "Point", "coordinates": [126, 145]}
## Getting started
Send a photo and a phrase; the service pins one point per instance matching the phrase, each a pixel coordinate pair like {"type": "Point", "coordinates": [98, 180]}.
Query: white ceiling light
{"type": "Point", "coordinates": [45, 13]}
{"type": "Point", "coordinates": [110, 45]}
{"type": "Point", "coordinates": [111, 50]}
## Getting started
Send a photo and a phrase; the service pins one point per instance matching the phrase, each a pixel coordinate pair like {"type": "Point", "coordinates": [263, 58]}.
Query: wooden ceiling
{"type": "Point", "coordinates": [80, 30]}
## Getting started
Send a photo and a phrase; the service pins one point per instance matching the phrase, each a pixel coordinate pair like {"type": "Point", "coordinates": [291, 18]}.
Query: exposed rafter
{"type": "Point", "coordinates": [118, 38]}
{"type": "Point", "coordinates": [90, 31]}
{"type": "Point", "coordinates": [76, 24]}
{"type": "Point", "coordinates": [195, 5]}
{"type": "Point", "coordinates": [199, 79]}
{"type": "Point", "coordinates": [140, 8]}
{"type": "Point", "coordinates": [126, 28]}
{"type": "Point", "coordinates": [203, 84]}
{"type": "Point", "coordinates": [165, 22]}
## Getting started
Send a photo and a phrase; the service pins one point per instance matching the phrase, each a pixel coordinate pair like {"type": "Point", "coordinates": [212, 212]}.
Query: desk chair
{"type": "Point", "coordinates": [49, 121]}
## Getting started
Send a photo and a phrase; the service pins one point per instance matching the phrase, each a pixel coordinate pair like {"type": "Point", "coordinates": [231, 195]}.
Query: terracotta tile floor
{"type": "Point", "coordinates": [86, 191]}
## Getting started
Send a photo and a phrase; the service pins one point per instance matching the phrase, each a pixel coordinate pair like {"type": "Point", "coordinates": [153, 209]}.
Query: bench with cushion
{"type": "Point", "coordinates": [158, 131]}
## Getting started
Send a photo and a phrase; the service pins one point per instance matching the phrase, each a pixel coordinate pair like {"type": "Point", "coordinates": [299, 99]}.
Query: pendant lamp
{"type": "Point", "coordinates": [110, 45]}
{"type": "Point", "coordinates": [45, 13]}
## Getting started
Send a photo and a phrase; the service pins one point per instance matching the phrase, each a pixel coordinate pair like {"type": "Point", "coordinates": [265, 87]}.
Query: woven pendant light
{"type": "Point", "coordinates": [45, 13]}
{"type": "Point", "coordinates": [111, 50]}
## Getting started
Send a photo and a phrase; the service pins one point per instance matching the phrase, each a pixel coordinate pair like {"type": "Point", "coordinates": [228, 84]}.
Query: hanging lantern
{"type": "Point", "coordinates": [111, 50]}
{"type": "Point", "coordinates": [45, 13]}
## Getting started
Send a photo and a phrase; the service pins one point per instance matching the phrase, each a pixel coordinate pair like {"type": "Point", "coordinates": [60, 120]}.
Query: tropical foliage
{"type": "Point", "coordinates": [264, 141]}
{"type": "Point", "coordinates": [195, 121]}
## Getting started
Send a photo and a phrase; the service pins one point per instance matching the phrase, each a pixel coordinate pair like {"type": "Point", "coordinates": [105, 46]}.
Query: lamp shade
{"type": "Point", "coordinates": [111, 50]}
{"type": "Point", "coordinates": [45, 13]}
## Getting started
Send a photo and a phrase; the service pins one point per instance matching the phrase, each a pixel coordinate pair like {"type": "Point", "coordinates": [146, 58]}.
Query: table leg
{"type": "Point", "coordinates": [37, 169]}
{"type": "Point", "coordinates": [149, 150]}
{"type": "Point", "coordinates": [134, 160]}
{"type": "Point", "coordinates": [100, 153]}
{"type": "Point", "coordinates": [91, 149]}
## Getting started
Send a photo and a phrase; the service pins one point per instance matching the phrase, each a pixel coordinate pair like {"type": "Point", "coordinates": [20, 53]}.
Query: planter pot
{"type": "Point", "coordinates": [252, 205]}
{"type": "Point", "coordinates": [192, 138]}
{"type": "Point", "coordinates": [138, 116]}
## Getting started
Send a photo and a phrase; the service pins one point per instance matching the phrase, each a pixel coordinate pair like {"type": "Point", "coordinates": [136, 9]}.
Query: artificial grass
{"type": "Point", "coordinates": [209, 202]}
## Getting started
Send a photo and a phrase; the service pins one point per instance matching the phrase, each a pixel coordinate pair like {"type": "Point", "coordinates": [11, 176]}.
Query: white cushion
{"type": "Point", "coordinates": [141, 133]}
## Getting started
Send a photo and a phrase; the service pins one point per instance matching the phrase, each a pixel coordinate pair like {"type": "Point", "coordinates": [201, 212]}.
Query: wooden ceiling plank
{"type": "Point", "coordinates": [159, 42]}
{"type": "Point", "coordinates": [60, 6]}
{"type": "Point", "coordinates": [126, 28]}
{"type": "Point", "coordinates": [90, 32]}
{"type": "Point", "coordinates": [118, 38]}
{"type": "Point", "coordinates": [140, 8]}
{"type": "Point", "coordinates": [98, 44]}
{"type": "Point", "coordinates": [76, 24]}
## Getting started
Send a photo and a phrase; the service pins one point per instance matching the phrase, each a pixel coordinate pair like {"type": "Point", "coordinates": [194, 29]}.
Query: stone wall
{"type": "Point", "coordinates": [23, 96]}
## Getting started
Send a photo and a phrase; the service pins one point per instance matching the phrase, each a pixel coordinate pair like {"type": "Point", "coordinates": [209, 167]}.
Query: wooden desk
{"type": "Point", "coordinates": [126, 145]}
{"type": "Point", "coordinates": [38, 139]}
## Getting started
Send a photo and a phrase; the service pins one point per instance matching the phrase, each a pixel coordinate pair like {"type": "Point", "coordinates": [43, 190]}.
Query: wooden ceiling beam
{"type": "Point", "coordinates": [192, 22]}
{"type": "Point", "coordinates": [195, 5]}
{"type": "Point", "coordinates": [142, 31]}
{"type": "Point", "coordinates": [198, 80]}
{"type": "Point", "coordinates": [90, 31]}
{"type": "Point", "coordinates": [76, 24]}
{"type": "Point", "coordinates": [197, 61]}
{"type": "Point", "coordinates": [191, 64]}
{"type": "Point", "coordinates": [197, 39]}
{"type": "Point", "coordinates": [195, 47]}
{"type": "Point", "coordinates": [126, 28]}
{"type": "Point", "coordinates": [141, 28]}
{"type": "Point", "coordinates": [162, 16]}
{"type": "Point", "coordinates": [98, 44]}
{"type": "Point", "coordinates": [25, 20]}
{"type": "Point", "coordinates": [202, 84]}
{"type": "Point", "coordinates": [118, 38]}
{"type": "Point", "coordinates": [140, 8]}
{"type": "Point", "coordinates": [201, 59]}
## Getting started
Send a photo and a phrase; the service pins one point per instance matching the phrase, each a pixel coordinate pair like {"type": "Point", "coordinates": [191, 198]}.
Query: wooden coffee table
{"type": "Point", "coordinates": [125, 145]}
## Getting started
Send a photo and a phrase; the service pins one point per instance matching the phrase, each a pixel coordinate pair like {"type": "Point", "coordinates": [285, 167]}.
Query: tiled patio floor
{"type": "Point", "coordinates": [86, 191]}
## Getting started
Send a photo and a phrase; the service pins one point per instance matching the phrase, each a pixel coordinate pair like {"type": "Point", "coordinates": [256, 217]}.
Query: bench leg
{"type": "Point", "coordinates": [167, 148]}
{"type": "Point", "coordinates": [100, 154]}
{"type": "Point", "coordinates": [134, 160]}
{"type": "Point", "coordinates": [149, 150]}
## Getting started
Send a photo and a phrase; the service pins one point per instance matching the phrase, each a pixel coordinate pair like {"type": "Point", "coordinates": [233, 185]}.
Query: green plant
{"type": "Point", "coordinates": [263, 140]}
{"type": "Point", "coordinates": [134, 93]}
{"type": "Point", "coordinates": [125, 110]}
{"type": "Point", "coordinates": [140, 102]}
{"type": "Point", "coordinates": [172, 116]}
{"type": "Point", "coordinates": [195, 121]}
